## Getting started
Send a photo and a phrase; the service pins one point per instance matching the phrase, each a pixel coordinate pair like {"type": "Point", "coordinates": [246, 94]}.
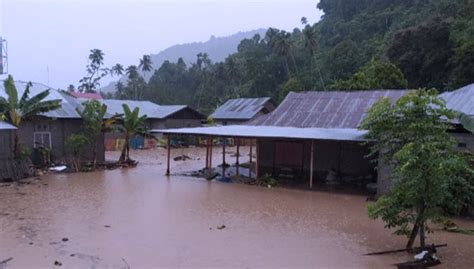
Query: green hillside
{"type": "Point", "coordinates": [358, 44]}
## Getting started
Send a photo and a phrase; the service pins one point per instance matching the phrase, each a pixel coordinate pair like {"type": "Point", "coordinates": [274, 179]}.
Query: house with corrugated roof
{"type": "Point", "coordinates": [311, 139]}
{"type": "Point", "coordinates": [241, 110]}
{"type": "Point", "coordinates": [158, 117]}
{"type": "Point", "coordinates": [462, 101]}
{"type": "Point", "coordinates": [51, 129]}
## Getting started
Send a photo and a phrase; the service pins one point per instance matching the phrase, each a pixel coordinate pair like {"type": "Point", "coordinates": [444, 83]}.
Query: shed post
{"type": "Point", "coordinates": [257, 175]}
{"type": "Point", "coordinates": [207, 153]}
{"type": "Point", "coordinates": [169, 156]}
{"type": "Point", "coordinates": [311, 165]}
{"type": "Point", "coordinates": [250, 154]}
{"type": "Point", "coordinates": [210, 154]}
{"type": "Point", "coordinates": [223, 157]}
{"type": "Point", "coordinates": [237, 156]}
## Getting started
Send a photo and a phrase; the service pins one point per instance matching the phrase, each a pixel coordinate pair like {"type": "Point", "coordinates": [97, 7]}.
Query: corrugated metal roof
{"type": "Point", "coordinates": [6, 126]}
{"type": "Point", "coordinates": [68, 103]}
{"type": "Point", "coordinates": [461, 100]}
{"type": "Point", "coordinates": [87, 95]}
{"type": "Point", "coordinates": [271, 132]}
{"type": "Point", "coordinates": [152, 110]}
{"type": "Point", "coordinates": [240, 108]}
{"type": "Point", "coordinates": [331, 109]}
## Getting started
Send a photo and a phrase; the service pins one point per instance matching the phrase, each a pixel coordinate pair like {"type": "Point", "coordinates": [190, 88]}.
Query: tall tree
{"type": "Point", "coordinates": [95, 123]}
{"type": "Point", "coordinates": [311, 45]}
{"type": "Point", "coordinates": [429, 176]}
{"type": "Point", "coordinates": [131, 125]}
{"type": "Point", "coordinates": [18, 110]}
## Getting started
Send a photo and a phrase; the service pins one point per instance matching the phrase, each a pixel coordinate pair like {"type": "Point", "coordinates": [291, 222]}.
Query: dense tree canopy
{"type": "Point", "coordinates": [415, 43]}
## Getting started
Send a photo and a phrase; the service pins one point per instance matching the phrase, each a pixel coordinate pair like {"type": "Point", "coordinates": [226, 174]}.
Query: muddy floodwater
{"type": "Point", "coordinates": [138, 218]}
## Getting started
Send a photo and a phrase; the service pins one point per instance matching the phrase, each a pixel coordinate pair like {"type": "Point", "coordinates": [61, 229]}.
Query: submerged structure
{"type": "Point", "coordinates": [311, 139]}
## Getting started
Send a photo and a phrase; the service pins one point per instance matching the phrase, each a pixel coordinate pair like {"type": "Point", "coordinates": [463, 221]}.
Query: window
{"type": "Point", "coordinates": [42, 140]}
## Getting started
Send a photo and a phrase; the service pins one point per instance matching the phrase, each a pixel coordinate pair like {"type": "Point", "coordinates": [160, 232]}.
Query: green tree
{"type": "Point", "coordinates": [292, 85]}
{"type": "Point", "coordinates": [76, 144]}
{"type": "Point", "coordinates": [429, 176]}
{"type": "Point", "coordinates": [131, 125]}
{"type": "Point", "coordinates": [311, 45]}
{"type": "Point", "coordinates": [374, 75]}
{"type": "Point", "coordinates": [145, 64]}
{"type": "Point", "coordinates": [423, 53]}
{"type": "Point", "coordinates": [96, 123]}
{"type": "Point", "coordinates": [17, 110]}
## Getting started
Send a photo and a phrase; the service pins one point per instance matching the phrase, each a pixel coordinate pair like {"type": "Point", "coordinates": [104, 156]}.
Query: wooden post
{"type": "Point", "coordinates": [207, 153]}
{"type": "Point", "coordinates": [256, 159]}
{"type": "Point", "coordinates": [169, 156]}
{"type": "Point", "coordinates": [210, 153]}
{"type": "Point", "coordinates": [250, 167]}
{"type": "Point", "coordinates": [311, 165]}
{"type": "Point", "coordinates": [223, 157]}
{"type": "Point", "coordinates": [237, 156]}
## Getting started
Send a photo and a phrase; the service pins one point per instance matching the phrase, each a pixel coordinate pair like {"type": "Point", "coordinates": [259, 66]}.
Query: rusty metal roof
{"type": "Point", "coordinates": [461, 100]}
{"type": "Point", "coordinates": [331, 109]}
{"type": "Point", "coordinates": [240, 108]}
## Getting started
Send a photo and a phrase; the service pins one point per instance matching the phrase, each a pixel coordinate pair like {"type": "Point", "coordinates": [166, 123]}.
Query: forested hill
{"type": "Point", "coordinates": [357, 45]}
{"type": "Point", "coordinates": [217, 48]}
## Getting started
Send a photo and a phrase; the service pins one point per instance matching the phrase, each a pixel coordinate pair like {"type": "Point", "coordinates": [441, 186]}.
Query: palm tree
{"type": "Point", "coordinates": [132, 73]}
{"type": "Point", "coordinates": [304, 20]}
{"type": "Point", "coordinates": [311, 44]}
{"type": "Point", "coordinates": [17, 110]}
{"type": "Point", "coordinates": [282, 45]}
{"type": "Point", "coordinates": [130, 125]}
{"type": "Point", "coordinates": [145, 64]}
{"type": "Point", "coordinates": [117, 70]}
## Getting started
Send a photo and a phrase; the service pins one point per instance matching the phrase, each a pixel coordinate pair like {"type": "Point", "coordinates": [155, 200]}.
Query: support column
{"type": "Point", "coordinates": [250, 169]}
{"type": "Point", "coordinates": [311, 165]}
{"type": "Point", "coordinates": [210, 154]}
{"type": "Point", "coordinates": [169, 156]}
{"type": "Point", "coordinates": [237, 156]}
{"type": "Point", "coordinates": [207, 153]}
{"type": "Point", "coordinates": [223, 157]}
{"type": "Point", "coordinates": [257, 175]}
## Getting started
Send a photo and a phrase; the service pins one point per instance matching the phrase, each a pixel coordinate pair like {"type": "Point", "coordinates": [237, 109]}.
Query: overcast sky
{"type": "Point", "coordinates": [57, 35]}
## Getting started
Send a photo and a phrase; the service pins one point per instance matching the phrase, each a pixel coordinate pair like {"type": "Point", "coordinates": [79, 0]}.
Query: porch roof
{"type": "Point", "coordinates": [247, 131]}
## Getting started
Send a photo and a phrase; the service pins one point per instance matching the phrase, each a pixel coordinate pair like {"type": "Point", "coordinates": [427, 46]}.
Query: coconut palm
{"type": "Point", "coordinates": [16, 110]}
{"type": "Point", "coordinates": [282, 45]}
{"type": "Point", "coordinates": [145, 64]}
{"type": "Point", "coordinates": [131, 124]}
{"type": "Point", "coordinates": [311, 44]}
{"type": "Point", "coordinates": [117, 70]}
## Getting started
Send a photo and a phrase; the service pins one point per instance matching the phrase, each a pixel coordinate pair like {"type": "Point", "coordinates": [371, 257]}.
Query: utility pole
{"type": "Point", "coordinates": [3, 56]}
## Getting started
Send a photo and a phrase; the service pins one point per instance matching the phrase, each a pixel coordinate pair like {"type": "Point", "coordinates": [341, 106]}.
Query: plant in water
{"type": "Point", "coordinates": [268, 181]}
{"type": "Point", "coordinates": [76, 146]}
{"type": "Point", "coordinates": [131, 124]}
{"type": "Point", "coordinates": [18, 109]}
{"type": "Point", "coordinates": [429, 178]}
{"type": "Point", "coordinates": [95, 124]}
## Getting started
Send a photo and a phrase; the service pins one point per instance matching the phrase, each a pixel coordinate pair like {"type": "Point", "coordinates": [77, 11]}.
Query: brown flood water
{"type": "Point", "coordinates": [146, 220]}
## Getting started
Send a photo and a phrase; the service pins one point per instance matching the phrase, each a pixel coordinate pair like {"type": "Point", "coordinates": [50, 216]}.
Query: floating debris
{"type": "Point", "coordinates": [56, 263]}
{"type": "Point", "coordinates": [221, 227]}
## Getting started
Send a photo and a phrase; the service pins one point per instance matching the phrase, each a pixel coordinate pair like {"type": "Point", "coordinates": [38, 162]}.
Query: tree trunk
{"type": "Point", "coordinates": [94, 155]}
{"type": "Point", "coordinates": [422, 236]}
{"type": "Point", "coordinates": [124, 149]}
{"type": "Point", "coordinates": [411, 239]}
{"type": "Point", "coordinates": [16, 145]}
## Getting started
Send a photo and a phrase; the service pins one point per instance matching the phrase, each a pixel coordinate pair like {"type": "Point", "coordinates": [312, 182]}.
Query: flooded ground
{"type": "Point", "coordinates": [138, 218]}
